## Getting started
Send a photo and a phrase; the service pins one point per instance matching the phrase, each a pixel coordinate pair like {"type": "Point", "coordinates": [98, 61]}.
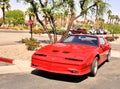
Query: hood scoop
{"type": "Point", "coordinates": [66, 52]}
{"type": "Point", "coordinates": [55, 51]}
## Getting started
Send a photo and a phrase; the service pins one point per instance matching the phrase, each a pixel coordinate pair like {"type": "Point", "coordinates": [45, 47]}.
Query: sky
{"type": "Point", "coordinates": [15, 5]}
{"type": "Point", "coordinates": [18, 5]}
{"type": "Point", "coordinates": [115, 6]}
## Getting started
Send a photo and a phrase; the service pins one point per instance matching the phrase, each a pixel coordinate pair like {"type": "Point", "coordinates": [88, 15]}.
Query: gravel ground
{"type": "Point", "coordinates": [18, 52]}
{"type": "Point", "coordinates": [10, 46]}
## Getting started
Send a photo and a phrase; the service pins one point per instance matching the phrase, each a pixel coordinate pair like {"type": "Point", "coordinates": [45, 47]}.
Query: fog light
{"type": "Point", "coordinates": [73, 70]}
{"type": "Point", "coordinates": [34, 65]}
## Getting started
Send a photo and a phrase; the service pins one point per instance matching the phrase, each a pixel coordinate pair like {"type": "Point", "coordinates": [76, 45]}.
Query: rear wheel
{"type": "Point", "coordinates": [109, 56]}
{"type": "Point", "coordinates": [94, 67]}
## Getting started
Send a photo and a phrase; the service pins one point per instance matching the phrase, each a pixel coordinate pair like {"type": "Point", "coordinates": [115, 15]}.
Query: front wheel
{"type": "Point", "coordinates": [94, 67]}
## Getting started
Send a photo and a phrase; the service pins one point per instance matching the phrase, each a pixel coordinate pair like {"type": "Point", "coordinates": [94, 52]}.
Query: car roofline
{"type": "Point", "coordinates": [85, 35]}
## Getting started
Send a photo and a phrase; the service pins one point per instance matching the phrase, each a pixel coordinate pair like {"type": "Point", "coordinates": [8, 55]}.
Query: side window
{"type": "Point", "coordinates": [69, 39]}
{"type": "Point", "coordinates": [102, 41]}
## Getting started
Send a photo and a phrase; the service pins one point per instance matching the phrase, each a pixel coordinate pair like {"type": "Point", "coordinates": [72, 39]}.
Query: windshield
{"type": "Point", "coordinates": [81, 39]}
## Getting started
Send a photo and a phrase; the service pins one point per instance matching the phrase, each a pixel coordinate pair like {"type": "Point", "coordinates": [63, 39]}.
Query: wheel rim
{"type": "Point", "coordinates": [109, 56]}
{"type": "Point", "coordinates": [95, 67]}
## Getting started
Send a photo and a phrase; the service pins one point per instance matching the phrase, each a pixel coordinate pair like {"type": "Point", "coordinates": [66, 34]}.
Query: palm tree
{"type": "Point", "coordinates": [109, 12]}
{"type": "Point", "coordinates": [85, 7]}
{"type": "Point", "coordinates": [101, 22]}
{"type": "Point", "coordinates": [4, 4]}
{"type": "Point", "coordinates": [112, 19]}
{"type": "Point", "coordinates": [116, 19]}
{"type": "Point", "coordinates": [48, 8]}
{"type": "Point", "coordinates": [30, 13]}
{"type": "Point", "coordinates": [119, 21]}
{"type": "Point", "coordinates": [101, 8]}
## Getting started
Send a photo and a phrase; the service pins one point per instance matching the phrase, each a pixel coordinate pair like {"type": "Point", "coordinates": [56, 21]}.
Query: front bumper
{"type": "Point", "coordinates": [62, 68]}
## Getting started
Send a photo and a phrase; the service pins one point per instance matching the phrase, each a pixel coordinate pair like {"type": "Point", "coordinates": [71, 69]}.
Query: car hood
{"type": "Point", "coordinates": [76, 51]}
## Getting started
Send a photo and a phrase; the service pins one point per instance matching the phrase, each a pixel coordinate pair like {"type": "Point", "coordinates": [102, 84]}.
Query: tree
{"type": "Point", "coordinates": [116, 19]}
{"type": "Point", "coordinates": [101, 8]}
{"type": "Point", "coordinates": [4, 4]}
{"type": "Point", "coordinates": [112, 19]}
{"type": "Point", "coordinates": [0, 21]}
{"type": "Point", "coordinates": [15, 17]}
{"type": "Point", "coordinates": [109, 12]}
{"type": "Point", "coordinates": [48, 8]}
{"type": "Point", "coordinates": [85, 7]}
{"type": "Point", "coordinates": [30, 13]}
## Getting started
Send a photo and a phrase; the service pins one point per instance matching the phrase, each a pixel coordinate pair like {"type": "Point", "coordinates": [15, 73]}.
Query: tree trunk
{"type": "Point", "coordinates": [31, 32]}
{"type": "Point", "coordinates": [68, 28]}
{"type": "Point", "coordinates": [53, 25]}
{"type": "Point", "coordinates": [3, 10]}
{"type": "Point", "coordinates": [113, 33]}
{"type": "Point", "coordinates": [38, 19]}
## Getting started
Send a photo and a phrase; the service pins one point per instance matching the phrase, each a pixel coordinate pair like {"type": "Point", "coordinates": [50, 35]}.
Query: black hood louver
{"type": "Point", "coordinates": [41, 54]}
{"type": "Point", "coordinates": [55, 51]}
{"type": "Point", "coordinates": [66, 52]}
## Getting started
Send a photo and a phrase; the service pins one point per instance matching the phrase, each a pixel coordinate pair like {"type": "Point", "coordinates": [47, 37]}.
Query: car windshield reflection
{"type": "Point", "coordinates": [81, 39]}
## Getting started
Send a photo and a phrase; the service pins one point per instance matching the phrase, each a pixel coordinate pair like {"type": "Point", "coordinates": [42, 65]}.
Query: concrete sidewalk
{"type": "Point", "coordinates": [18, 66]}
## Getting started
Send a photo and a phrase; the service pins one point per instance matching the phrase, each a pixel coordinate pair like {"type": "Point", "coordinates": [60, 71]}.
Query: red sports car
{"type": "Point", "coordinates": [75, 55]}
{"type": "Point", "coordinates": [78, 31]}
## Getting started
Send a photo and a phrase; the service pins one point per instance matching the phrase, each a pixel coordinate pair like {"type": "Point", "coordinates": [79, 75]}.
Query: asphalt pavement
{"type": "Point", "coordinates": [18, 74]}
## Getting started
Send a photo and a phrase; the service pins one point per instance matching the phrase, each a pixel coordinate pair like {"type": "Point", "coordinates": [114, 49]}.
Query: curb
{"type": "Point", "coordinates": [8, 44]}
{"type": "Point", "coordinates": [7, 60]}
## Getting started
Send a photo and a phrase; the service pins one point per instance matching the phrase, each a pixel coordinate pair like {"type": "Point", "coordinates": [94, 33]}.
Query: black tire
{"type": "Point", "coordinates": [94, 67]}
{"type": "Point", "coordinates": [108, 56]}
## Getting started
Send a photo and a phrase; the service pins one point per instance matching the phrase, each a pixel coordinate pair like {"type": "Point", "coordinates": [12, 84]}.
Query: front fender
{"type": "Point", "coordinates": [90, 58]}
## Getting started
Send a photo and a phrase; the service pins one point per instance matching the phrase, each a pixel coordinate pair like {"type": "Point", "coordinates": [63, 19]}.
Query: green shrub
{"type": "Point", "coordinates": [39, 31]}
{"type": "Point", "coordinates": [113, 28]}
{"type": "Point", "coordinates": [50, 30]}
{"type": "Point", "coordinates": [111, 38]}
{"type": "Point", "coordinates": [116, 37]}
{"type": "Point", "coordinates": [0, 21]}
{"type": "Point", "coordinates": [16, 28]}
{"type": "Point", "coordinates": [60, 30]}
{"type": "Point", "coordinates": [24, 40]}
{"type": "Point", "coordinates": [31, 43]}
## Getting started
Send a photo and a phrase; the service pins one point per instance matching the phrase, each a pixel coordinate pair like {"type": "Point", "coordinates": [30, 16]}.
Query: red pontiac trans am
{"type": "Point", "coordinates": [78, 31]}
{"type": "Point", "coordinates": [75, 55]}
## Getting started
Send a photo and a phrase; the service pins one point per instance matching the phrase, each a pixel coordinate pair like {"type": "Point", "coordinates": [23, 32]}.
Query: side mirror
{"type": "Point", "coordinates": [102, 46]}
{"type": "Point", "coordinates": [58, 41]}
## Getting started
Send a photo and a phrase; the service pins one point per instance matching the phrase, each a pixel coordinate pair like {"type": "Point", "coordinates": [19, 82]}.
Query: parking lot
{"type": "Point", "coordinates": [108, 76]}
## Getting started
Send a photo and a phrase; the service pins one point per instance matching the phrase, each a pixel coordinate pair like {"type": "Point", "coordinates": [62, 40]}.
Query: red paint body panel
{"type": "Point", "coordinates": [72, 59]}
{"type": "Point", "coordinates": [59, 67]}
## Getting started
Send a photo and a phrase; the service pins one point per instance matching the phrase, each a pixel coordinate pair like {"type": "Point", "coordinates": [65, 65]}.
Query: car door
{"type": "Point", "coordinates": [104, 49]}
